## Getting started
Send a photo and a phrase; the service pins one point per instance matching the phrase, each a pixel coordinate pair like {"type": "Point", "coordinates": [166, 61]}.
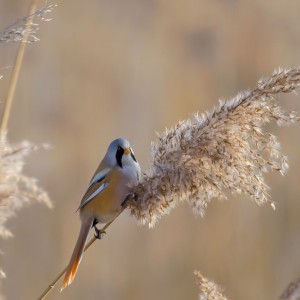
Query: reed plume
{"type": "Point", "coordinates": [25, 30]}
{"type": "Point", "coordinates": [208, 290]}
{"type": "Point", "coordinates": [211, 154]}
{"type": "Point", "coordinates": [16, 189]}
{"type": "Point", "coordinates": [292, 292]}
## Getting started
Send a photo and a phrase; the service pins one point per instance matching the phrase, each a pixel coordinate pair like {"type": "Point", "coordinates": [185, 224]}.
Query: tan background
{"type": "Point", "coordinates": [110, 68]}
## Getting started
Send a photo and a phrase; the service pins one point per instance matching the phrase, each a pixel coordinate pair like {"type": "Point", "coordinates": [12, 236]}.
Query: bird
{"type": "Point", "coordinates": [105, 197]}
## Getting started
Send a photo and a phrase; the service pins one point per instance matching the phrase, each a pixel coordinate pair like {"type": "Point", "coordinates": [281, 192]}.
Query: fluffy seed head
{"type": "Point", "coordinates": [211, 154]}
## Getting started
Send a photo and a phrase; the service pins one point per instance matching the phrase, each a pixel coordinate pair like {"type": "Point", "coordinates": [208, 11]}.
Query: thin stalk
{"type": "Point", "coordinates": [15, 73]}
{"type": "Point", "coordinates": [60, 275]}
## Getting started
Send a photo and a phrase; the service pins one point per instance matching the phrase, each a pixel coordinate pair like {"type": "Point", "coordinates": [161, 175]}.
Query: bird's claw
{"type": "Point", "coordinates": [99, 233]}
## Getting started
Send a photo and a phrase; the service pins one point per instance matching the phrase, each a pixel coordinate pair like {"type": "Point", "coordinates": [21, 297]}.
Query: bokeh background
{"type": "Point", "coordinates": [110, 68]}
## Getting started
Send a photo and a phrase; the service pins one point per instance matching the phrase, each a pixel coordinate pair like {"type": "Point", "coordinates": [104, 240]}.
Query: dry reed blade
{"type": "Point", "coordinates": [15, 73]}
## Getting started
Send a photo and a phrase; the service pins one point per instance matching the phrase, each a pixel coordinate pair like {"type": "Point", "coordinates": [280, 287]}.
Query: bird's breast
{"type": "Point", "coordinates": [107, 205]}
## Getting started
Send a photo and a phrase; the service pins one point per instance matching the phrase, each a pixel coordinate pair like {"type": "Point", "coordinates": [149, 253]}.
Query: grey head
{"type": "Point", "coordinates": [119, 153]}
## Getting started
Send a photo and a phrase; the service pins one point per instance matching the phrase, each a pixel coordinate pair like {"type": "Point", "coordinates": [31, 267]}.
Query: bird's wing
{"type": "Point", "coordinates": [96, 186]}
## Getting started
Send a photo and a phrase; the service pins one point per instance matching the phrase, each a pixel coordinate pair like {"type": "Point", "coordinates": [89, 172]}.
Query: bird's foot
{"type": "Point", "coordinates": [99, 233]}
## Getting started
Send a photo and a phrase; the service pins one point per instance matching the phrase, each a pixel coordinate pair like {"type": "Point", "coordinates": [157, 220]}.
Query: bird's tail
{"type": "Point", "coordinates": [77, 253]}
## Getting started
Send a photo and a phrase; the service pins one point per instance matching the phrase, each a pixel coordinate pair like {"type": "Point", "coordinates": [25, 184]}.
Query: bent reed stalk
{"type": "Point", "coordinates": [60, 275]}
{"type": "Point", "coordinates": [225, 150]}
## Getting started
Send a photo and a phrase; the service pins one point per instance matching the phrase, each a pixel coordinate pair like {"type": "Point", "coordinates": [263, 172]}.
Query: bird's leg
{"type": "Point", "coordinates": [98, 232]}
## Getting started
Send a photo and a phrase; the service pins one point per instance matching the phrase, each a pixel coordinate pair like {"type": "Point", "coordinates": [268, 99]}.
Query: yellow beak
{"type": "Point", "coordinates": [127, 151]}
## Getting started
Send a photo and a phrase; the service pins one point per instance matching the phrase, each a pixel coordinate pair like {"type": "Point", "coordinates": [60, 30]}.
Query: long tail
{"type": "Point", "coordinates": [77, 253]}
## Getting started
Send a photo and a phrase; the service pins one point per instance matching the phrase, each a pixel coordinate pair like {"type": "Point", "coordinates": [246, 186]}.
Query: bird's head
{"type": "Point", "coordinates": [119, 153]}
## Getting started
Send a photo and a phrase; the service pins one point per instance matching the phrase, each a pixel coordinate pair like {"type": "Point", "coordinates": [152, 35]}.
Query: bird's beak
{"type": "Point", "coordinates": [127, 151]}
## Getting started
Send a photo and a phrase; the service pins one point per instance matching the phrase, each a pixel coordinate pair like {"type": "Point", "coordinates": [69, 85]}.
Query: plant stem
{"type": "Point", "coordinates": [15, 73]}
{"type": "Point", "coordinates": [53, 283]}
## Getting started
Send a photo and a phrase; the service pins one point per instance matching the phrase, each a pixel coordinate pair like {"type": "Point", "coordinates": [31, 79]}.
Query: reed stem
{"type": "Point", "coordinates": [60, 275]}
{"type": "Point", "coordinates": [16, 72]}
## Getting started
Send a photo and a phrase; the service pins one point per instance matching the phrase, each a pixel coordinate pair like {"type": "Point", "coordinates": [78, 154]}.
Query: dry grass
{"type": "Point", "coordinates": [148, 213]}
{"type": "Point", "coordinates": [292, 292]}
{"type": "Point", "coordinates": [208, 290]}
{"type": "Point", "coordinates": [25, 30]}
{"type": "Point", "coordinates": [16, 189]}
{"type": "Point", "coordinates": [208, 155]}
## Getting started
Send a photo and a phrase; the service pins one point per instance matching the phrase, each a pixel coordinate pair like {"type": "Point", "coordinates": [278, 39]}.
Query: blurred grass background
{"type": "Point", "coordinates": [110, 68]}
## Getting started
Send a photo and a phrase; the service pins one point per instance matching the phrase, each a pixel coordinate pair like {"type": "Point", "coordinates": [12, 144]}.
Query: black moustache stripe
{"type": "Point", "coordinates": [133, 157]}
{"type": "Point", "coordinates": [119, 155]}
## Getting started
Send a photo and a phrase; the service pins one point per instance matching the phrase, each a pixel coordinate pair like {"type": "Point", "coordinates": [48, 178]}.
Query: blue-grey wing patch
{"type": "Point", "coordinates": [95, 180]}
{"type": "Point", "coordinates": [96, 193]}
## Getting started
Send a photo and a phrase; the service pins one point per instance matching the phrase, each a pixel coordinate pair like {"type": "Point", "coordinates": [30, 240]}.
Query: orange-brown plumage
{"type": "Point", "coordinates": [102, 201]}
{"type": "Point", "coordinates": [77, 253]}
